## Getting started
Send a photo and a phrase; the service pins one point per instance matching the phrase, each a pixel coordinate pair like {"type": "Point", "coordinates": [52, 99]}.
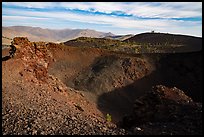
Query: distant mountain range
{"type": "Point", "coordinates": [182, 42]}
{"type": "Point", "coordinates": [51, 35]}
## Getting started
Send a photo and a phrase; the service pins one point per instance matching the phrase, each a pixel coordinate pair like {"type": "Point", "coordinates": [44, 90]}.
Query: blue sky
{"type": "Point", "coordinates": [116, 17]}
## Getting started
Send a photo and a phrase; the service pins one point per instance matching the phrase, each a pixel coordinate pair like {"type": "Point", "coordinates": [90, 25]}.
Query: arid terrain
{"type": "Point", "coordinates": [50, 35]}
{"type": "Point", "coordinates": [69, 88]}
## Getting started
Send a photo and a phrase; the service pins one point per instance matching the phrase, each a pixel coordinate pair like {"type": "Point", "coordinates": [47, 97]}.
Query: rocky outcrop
{"type": "Point", "coordinates": [166, 106]}
{"type": "Point", "coordinates": [37, 103]}
{"type": "Point", "coordinates": [36, 58]}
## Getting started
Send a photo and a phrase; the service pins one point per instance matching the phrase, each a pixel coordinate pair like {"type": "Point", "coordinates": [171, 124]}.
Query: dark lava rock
{"type": "Point", "coordinates": [165, 106]}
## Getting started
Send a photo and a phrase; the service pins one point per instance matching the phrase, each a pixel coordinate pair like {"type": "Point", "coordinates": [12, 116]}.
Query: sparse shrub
{"type": "Point", "coordinates": [136, 50]}
{"type": "Point", "coordinates": [108, 117]}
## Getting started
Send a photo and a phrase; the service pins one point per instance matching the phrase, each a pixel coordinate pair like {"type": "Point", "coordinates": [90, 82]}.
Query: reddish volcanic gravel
{"type": "Point", "coordinates": [53, 89]}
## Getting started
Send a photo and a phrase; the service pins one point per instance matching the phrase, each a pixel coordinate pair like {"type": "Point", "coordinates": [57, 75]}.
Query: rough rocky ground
{"type": "Point", "coordinates": [165, 111]}
{"type": "Point", "coordinates": [35, 102]}
{"type": "Point", "coordinates": [113, 80]}
{"type": "Point", "coordinates": [39, 95]}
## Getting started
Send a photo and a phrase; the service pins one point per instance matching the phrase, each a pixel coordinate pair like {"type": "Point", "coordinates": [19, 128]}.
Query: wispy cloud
{"type": "Point", "coordinates": [141, 9]}
{"type": "Point", "coordinates": [6, 18]}
{"type": "Point", "coordinates": [124, 22]}
{"type": "Point", "coordinates": [144, 16]}
{"type": "Point", "coordinates": [30, 4]}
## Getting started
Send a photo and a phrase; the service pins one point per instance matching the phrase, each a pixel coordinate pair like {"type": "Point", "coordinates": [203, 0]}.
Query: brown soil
{"type": "Point", "coordinates": [114, 80]}
{"type": "Point", "coordinates": [35, 102]}
{"type": "Point", "coordinates": [49, 88]}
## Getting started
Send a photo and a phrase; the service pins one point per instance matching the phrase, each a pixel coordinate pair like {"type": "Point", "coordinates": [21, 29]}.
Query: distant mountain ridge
{"type": "Point", "coordinates": [51, 35]}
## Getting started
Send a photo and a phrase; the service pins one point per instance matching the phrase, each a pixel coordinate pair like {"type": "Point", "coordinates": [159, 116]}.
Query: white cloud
{"type": "Point", "coordinates": [30, 4]}
{"type": "Point", "coordinates": [122, 22]}
{"type": "Point", "coordinates": [165, 10]}
{"type": "Point", "coordinates": [163, 25]}
{"type": "Point", "coordinates": [141, 9]}
{"type": "Point", "coordinates": [6, 18]}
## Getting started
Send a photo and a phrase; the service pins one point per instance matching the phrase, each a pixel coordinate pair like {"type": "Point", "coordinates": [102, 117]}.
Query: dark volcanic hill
{"type": "Point", "coordinates": [189, 42]}
{"type": "Point", "coordinates": [142, 43]}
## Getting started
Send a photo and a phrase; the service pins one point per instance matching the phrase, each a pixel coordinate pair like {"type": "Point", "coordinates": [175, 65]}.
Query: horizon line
{"type": "Point", "coordinates": [102, 31]}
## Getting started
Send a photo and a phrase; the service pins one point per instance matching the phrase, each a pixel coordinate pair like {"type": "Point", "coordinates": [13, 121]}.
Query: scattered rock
{"type": "Point", "coordinates": [162, 105]}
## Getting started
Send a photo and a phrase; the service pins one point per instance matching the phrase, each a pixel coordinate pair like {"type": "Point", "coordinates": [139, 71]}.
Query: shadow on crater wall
{"type": "Point", "coordinates": [183, 71]}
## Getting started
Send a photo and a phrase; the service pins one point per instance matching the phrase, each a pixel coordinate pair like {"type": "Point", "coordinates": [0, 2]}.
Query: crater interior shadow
{"type": "Point", "coordinates": [183, 70]}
